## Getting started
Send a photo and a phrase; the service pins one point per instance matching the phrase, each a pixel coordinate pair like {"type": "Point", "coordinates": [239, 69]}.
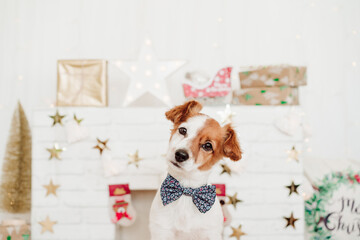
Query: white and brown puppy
{"type": "Point", "coordinates": [185, 205]}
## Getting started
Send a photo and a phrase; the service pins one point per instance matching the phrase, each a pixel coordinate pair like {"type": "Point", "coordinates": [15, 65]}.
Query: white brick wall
{"type": "Point", "coordinates": [80, 207]}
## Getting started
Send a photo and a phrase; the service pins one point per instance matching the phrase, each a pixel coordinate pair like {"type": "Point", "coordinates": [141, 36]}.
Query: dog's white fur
{"type": "Point", "coordinates": [181, 219]}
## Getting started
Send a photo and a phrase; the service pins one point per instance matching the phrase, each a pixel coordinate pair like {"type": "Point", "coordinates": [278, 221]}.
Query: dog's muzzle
{"type": "Point", "coordinates": [181, 155]}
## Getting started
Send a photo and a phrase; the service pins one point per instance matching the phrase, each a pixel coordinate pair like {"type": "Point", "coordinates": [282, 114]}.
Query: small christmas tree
{"type": "Point", "coordinates": [15, 188]}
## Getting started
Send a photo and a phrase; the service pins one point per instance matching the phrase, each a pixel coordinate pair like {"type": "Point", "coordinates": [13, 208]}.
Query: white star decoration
{"type": "Point", "coordinates": [226, 115]}
{"type": "Point", "coordinates": [148, 74]}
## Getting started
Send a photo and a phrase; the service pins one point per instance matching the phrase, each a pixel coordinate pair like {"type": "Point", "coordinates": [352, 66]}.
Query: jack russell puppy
{"type": "Point", "coordinates": [185, 207]}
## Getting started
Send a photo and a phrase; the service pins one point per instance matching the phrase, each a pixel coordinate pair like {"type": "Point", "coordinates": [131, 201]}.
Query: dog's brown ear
{"type": "Point", "coordinates": [231, 145]}
{"type": "Point", "coordinates": [181, 113]}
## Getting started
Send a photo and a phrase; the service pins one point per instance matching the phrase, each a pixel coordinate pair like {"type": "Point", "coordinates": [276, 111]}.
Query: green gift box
{"type": "Point", "coordinates": [283, 95]}
{"type": "Point", "coordinates": [273, 76]}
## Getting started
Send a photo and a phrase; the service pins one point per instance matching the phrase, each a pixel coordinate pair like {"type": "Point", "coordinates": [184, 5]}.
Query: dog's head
{"type": "Point", "coordinates": [197, 141]}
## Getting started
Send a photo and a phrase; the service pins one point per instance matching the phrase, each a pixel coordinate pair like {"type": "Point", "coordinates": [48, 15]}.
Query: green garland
{"type": "Point", "coordinates": [315, 206]}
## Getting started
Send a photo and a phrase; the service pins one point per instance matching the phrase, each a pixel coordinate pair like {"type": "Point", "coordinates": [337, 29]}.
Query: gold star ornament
{"type": "Point", "coordinates": [55, 152]}
{"type": "Point", "coordinates": [293, 188]}
{"type": "Point", "coordinates": [237, 232]}
{"type": "Point", "coordinates": [293, 154]}
{"type": "Point", "coordinates": [233, 200]}
{"type": "Point", "coordinates": [225, 169]}
{"type": "Point", "coordinates": [51, 188]}
{"type": "Point", "coordinates": [102, 145]}
{"type": "Point", "coordinates": [47, 225]}
{"type": "Point", "coordinates": [134, 158]}
{"type": "Point", "coordinates": [290, 221]}
{"type": "Point", "coordinates": [226, 115]}
{"type": "Point", "coordinates": [57, 118]}
{"type": "Point", "coordinates": [78, 120]}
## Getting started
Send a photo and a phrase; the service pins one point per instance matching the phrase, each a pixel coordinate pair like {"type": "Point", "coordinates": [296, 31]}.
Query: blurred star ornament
{"type": "Point", "coordinates": [55, 152]}
{"type": "Point", "coordinates": [226, 115]}
{"type": "Point", "coordinates": [237, 232]}
{"type": "Point", "coordinates": [75, 132]}
{"type": "Point", "coordinates": [102, 145]}
{"type": "Point", "coordinates": [293, 188]}
{"type": "Point", "coordinates": [77, 119]}
{"type": "Point", "coordinates": [134, 158]}
{"type": "Point", "coordinates": [225, 169]}
{"type": "Point", "coordinates": [57, 118]}
{"type": "Point", "coordinates": [291, 220]}
{"type": "Point", "coordinates": [51, 188]}
{"type": "Point", "coordinates": [293, 154]}
{"type": "Point", "coordinates": [233, 200]}
{"type": "Point", "coordinates": [47, 225]}
{"type": "Point", "coordinates": [148, 74]}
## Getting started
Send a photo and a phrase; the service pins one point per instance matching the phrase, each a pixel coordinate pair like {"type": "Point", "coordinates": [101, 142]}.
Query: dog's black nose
{"type": "Point", "coordinates": [181, 155]}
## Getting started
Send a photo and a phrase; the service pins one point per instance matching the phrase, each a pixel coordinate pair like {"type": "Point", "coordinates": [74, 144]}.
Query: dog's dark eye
{"type": "Point", "coordinates": [207, 147]}
{"type": "Point", "coordinates": [182, 131]}
{"type": "Point", "coordinates": [222, 202]}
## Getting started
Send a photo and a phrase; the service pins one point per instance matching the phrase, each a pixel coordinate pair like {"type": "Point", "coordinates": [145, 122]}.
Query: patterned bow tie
{"type": "Point", "coordinates": [203, 197]}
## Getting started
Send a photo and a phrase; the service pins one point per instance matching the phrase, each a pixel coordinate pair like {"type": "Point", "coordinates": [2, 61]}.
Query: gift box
{"type": "Point", "coordinates": [283, 95]}
{"type": "Point", "coordinates": [14, 229]}
{"type": "Point", "coordinates": [209, 91]}
{"type": "Point", "coordinates": [82, 83]}
{"type": "Point", "coordinates": [272, 76]}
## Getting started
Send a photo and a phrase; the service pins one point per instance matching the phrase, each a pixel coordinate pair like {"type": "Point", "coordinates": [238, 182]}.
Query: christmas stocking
{"type": "Point", "coordinates": [221, 195]}
{"type": "Point", "coordinates": [121, 210]}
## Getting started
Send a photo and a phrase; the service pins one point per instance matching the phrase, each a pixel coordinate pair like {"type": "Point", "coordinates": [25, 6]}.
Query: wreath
{"type": "Point", "coordinates": [315, 207]}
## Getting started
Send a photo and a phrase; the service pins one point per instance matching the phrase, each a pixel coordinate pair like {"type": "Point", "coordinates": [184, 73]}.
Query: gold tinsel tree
{"type": "Point", "coordinates": [15, 188]}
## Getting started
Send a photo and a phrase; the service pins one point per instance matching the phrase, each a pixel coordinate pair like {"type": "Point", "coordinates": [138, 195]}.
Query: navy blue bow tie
{"type": "Point", "coordinates": [203, 197]}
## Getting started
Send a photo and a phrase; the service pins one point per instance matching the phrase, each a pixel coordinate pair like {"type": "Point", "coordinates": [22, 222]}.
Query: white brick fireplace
{"type": "Point", "coordinates": [81, 206]}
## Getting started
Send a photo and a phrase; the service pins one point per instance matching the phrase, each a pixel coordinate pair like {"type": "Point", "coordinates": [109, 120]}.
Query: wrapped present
{"type": "Point", "coordinates": [283, 95]}
{"type": "Point", "coordinates": [14, 229]}
{"type": "Point", "coordinates": [82, 83]}
{"type": "Point", "coordinates": [209, 91]}
{"type": "Point", "coordinates": [271, 76]}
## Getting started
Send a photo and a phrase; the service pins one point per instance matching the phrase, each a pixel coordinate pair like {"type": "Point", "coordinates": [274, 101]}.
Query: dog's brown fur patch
{"type": "Point", "coordinates": [223, 140]}
{"type": "Point", "coordinates": [183, 112]}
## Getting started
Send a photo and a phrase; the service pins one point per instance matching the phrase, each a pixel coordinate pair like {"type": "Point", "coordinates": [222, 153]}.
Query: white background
{"type": "Point", "coordinates": [322, 34]}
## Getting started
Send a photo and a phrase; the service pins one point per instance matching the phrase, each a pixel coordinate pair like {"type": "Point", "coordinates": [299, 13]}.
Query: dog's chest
{"type": "Point", "coordinates": [186, 217]}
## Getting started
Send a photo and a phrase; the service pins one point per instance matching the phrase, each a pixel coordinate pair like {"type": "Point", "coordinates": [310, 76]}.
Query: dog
{"type": "Point", "coordinates": [185, 206]}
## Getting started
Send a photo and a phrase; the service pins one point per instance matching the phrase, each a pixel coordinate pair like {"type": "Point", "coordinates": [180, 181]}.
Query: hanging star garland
{"type": "Point", "coordinates": [55, 152]}
{"type": "Point", "coordinates": [134, 158]}
{"type": "Point", "coordinates": [237, 232]}
{"type": "Point", "coordinates": [293, 154]}
{"type": "Point", "coordinates": [226, 115]}
{"type": "Point", "coordinates": [77, 119]}
{"type": "Point", "coordinates": [233, 200]}
{"type": "Point", "coordinates": [51, 188]}
{"type": "Point", "coordinates": [102, 145]}
{"type": "Point", "coordinates": [148, 74]}
{"type": "Point", "coordinates": [293, 188]}
{"type": "Point", "coordinates": [57, 118]}
{"type": "Point", "coordinates": [291, 220]}
{"type": "Point", "coordinates": [47, 225]}
{"type": "Point", "coordinates": [225, 169]}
